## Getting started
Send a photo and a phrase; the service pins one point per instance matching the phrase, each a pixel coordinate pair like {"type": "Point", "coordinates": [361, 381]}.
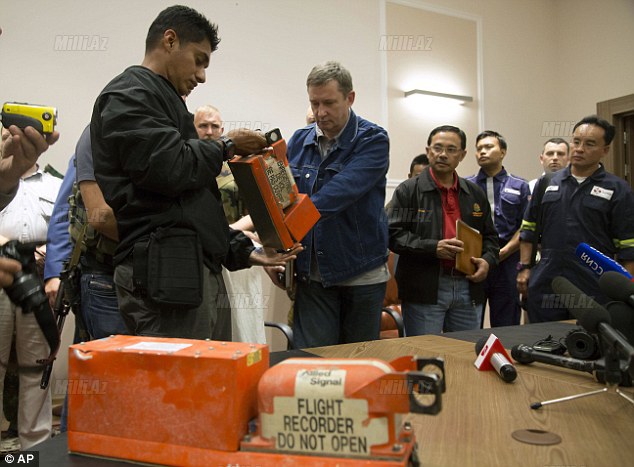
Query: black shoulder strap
{"type": "Point", "coordinates": [538, 195]}
{"type": "Point", "coordinates": [48, 319]}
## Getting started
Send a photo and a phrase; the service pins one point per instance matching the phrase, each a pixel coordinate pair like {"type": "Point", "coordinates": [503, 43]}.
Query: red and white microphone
{"type": "Point", "coordinates": [492, 356]}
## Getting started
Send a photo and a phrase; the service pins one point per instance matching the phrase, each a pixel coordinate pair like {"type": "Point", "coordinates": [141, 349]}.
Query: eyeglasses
{"type": "Point", "coordinates": [450, 151]}
{"type": "Point", "coordinates": [577, 143]}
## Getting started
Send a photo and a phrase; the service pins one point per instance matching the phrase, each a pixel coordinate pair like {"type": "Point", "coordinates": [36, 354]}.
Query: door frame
{"type": "Point", "coordinates": [614, 111]}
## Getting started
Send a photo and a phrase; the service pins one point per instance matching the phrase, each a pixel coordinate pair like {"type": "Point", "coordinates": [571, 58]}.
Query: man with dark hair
{"type": "Point", "coordinates": [422, 227]}
{"type": "Point", "coordinates": [508, 196]}
{"type": "Point", "coordinates": [341, 162]}
{"type": "Point", "coordinates": [187, 23]}
{"type": "Point", "coordinates": [555, 156]}
{"type": "Point", "coordinates": [447, 129]}
{"type": "Point", "coordinates": [419, 163]}
{"type": "Point", "coordinates": [160, 180]}
{"type": "Point", "coordinates": [582, 203]}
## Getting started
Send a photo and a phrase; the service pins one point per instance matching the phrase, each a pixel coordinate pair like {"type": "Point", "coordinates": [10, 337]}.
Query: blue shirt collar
{"type": "Point", "coordinates": [597, 174]}
{"type": "Point", "coordinates": [344, 139]}
{"type": "Point", "coordinates": [499, 177]}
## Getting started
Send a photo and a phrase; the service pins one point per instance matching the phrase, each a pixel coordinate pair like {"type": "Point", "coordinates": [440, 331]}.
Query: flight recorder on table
{"type": "Point", "coordinates": [201, 403]}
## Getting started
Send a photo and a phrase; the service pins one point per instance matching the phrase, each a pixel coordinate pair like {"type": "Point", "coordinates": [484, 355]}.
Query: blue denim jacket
{"type": "Point", "coordinates": [348, 189]}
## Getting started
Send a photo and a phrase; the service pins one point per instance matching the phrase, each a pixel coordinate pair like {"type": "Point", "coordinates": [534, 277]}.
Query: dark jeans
{"type": "Point", "coordinates": [336, 315]}
{"type": "Point", "coordinates": [100, 307]}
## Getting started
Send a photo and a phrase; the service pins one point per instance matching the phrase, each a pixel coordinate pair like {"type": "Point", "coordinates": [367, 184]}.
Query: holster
{"type": "Point", "coordinates": [168, 268]}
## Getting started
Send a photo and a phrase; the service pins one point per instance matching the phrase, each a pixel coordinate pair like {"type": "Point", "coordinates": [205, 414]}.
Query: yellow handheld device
{"type": "Point", "coordinates": [42, 118]}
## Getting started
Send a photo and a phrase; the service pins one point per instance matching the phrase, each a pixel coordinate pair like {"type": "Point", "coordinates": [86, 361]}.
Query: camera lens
{"type": "Point", "coordinates": [26, 291]}
{"type": "Point", "coordinates": [582, 345]}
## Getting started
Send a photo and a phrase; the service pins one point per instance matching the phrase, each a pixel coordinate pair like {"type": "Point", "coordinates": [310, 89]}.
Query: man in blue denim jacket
{"type": "Point", "coordinates": [341, 162]}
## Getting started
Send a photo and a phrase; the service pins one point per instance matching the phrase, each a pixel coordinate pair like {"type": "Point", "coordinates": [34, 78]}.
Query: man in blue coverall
{"type": "Point", "coordinates": [582, 203]}
{"type": "Point", "coordinates": [508, 196]}
{"type": "Point", "coordinates": [341, 162]}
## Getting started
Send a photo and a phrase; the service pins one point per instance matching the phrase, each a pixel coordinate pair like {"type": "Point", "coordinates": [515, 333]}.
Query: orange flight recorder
{"type": "Point", "coordinates": [204, 403]}
{"type": "Point", "coordinates": [282, 216]}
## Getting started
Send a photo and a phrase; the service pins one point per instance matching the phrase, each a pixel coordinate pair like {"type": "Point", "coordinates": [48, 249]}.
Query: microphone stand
{"type": "Point", "coordinates": [612, 375]}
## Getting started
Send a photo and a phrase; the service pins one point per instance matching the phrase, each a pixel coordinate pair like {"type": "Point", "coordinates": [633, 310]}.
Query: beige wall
{"type": "Point", "coordinates": [256, 77]}
{"type": "Point", "coordinates": [594, 55]}
{"type": "Point", "coordinates": [518, 45]}
{"type": "Point", "coordinates": [545, 63]}
{"type": "Point", "coordinates": [435, 52]}
{"type": "Point", "coordinates": [541, 61]}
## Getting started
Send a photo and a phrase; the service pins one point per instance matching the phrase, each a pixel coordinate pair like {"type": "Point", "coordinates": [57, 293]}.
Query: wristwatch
{"type": "Point", "coordinates": [522, 266]}
{"type": "Point", "coordinates": [228, 148]}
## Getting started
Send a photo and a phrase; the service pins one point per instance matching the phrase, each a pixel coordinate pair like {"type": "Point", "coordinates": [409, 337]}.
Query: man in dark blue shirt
{"type": "Point", "coordinates": [582, 203]}
{"type": "Point", "coordinates": [508, 196]}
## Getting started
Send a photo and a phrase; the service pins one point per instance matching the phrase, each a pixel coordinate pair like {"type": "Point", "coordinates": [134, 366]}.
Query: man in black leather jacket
{"type": "Point", "coordinates": [422, 226]}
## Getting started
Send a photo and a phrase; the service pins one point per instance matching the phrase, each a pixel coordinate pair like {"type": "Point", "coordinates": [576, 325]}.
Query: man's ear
{"type": "Point", "coordinates": [350, 98]}
{"type": "Point", "coordinates": [170, 39]}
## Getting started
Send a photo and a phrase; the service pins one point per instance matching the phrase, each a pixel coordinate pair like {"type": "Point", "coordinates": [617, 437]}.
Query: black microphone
{"type": "Point", "coordinates": [622, 316]}
{"type": "Point", "coordinates": [498, 361]}
{"type": "Point", "coordinates": [600, 322]}
{"type": "Point", "coordinates": [526, 354]}
{"type": "Point", "coordinates": [596, 319]}
{"type": "Point", "coordinates": [613, 285]}
{"type": "Point", "coordinates": [581, 304]}
{"type": "Point", "coordinates": [617, 287]}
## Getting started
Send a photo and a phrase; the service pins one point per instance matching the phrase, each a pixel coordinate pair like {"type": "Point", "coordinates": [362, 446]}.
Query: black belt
{"type": "Point", "coordinates": [452, 272]}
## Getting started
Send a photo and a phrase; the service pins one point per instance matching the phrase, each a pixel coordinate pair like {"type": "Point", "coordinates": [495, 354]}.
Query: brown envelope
{"type": "Point", "coordinates": [472, 247]}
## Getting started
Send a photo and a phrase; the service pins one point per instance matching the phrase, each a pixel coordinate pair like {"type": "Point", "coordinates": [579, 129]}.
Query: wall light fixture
{"type": "Point", "coordinates": [457, 97]}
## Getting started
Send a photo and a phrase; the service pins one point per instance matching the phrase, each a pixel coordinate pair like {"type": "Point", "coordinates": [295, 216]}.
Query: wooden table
{"type": "Point", "coordinates": [480, 411]}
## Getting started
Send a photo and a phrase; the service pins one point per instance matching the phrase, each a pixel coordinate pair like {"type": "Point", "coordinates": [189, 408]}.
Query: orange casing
{"type": "Point", "coordinates": [367, 400]}
{"type": "Point", "coordinates": [157, 406]}
{"type": "Point", "coordinates": [278, 227]}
